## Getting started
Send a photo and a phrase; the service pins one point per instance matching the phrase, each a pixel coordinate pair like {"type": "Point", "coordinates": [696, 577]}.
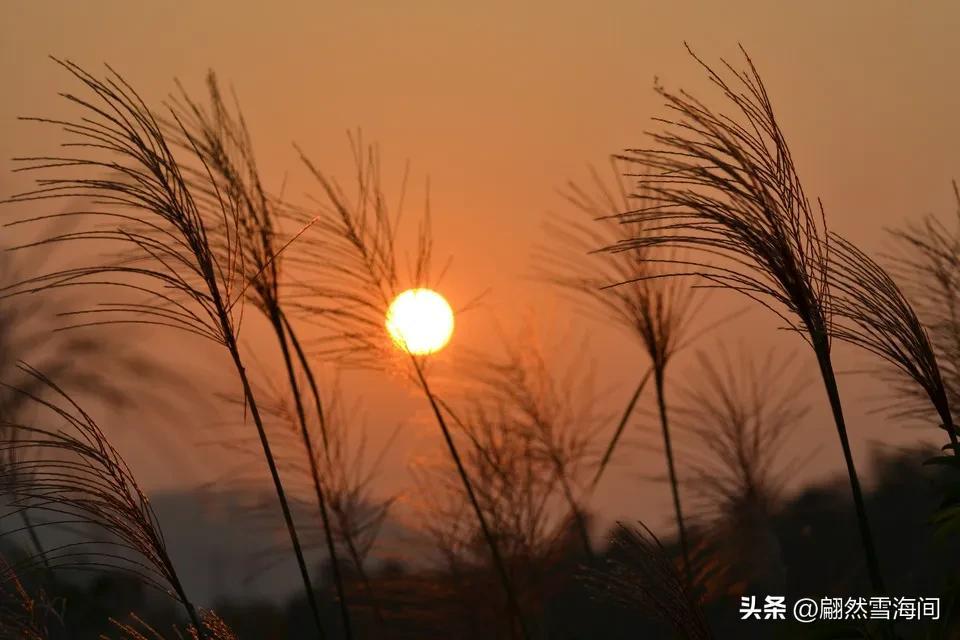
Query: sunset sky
{"type": "Point", "coordinates": [499, 104]}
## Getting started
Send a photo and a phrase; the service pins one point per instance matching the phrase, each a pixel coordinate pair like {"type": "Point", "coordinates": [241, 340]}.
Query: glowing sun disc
{"type": "Point", "coordinates": [420, 321]}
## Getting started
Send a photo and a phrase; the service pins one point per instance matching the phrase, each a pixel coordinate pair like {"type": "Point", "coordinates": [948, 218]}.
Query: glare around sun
{"type": "Point", "coordinates": [420, 321]}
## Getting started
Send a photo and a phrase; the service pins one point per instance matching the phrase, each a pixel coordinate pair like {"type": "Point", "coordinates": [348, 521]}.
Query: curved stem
{"type": "Point", "coordinates": [468, 487]}
{"type": "Point", "coordinates": [833, 393]}
{"type": "Point", "coordinates": [187, 604]}
{"type": "Point", "coordinates": [278, 327]}
{"type": "Point", "coordinates": [278, 485]}
{"type": "Point", "coordinates": [311, 381]}
{"type": "Point", "coordinates": [318, 405]}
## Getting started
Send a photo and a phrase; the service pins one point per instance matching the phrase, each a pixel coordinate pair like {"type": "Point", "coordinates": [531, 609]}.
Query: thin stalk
{"type": "Point", "coordinates": [278, 485]}
{"type": "Point", "coordinates": [468, 487]}
{"type": "Point", "coordinates": [830, 383]}
{"type": "Point", "coordinates": [659, 380]}
{"type": "Point", "coordinates": [278, 327]}
{"type": "Point", "coordinates": [311, 381]}
{"type": "Point", "coordinates": [619, 430]}
{"type": "Point", "coordinates": [318, 404]}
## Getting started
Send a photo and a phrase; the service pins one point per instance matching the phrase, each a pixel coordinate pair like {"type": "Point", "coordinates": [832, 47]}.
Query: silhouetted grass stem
{"type": "Point", "coordinates": [659, 380]}
{"type": "Point", "coordinates": [498, 562]}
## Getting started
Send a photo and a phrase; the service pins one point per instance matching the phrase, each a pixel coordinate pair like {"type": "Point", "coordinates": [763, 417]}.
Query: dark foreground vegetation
{"type": "Point", "coordinates": [155, 216]}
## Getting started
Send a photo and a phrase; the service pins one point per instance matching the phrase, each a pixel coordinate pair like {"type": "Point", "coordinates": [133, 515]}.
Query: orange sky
{"type": "Point", "coordinates": [499, 104]}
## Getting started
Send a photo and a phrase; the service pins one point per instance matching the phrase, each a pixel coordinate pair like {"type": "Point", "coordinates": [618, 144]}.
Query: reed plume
{"type": "Point", "coordinates": [654, 311]}
{"type": "Point", "coordinates": [927, 266]}
{"type": "Point", "coordinates": [166, 270]}
{"type": "Point", "coordinates": [353, 275]}
{"type": "Point", "coordinates": [77, 478]}
{"type": "Point", "coordinates": [729, 191]}
{"type": "Point", "coordinates": [27, 334]}
{"type": "Point", "coordinates": [874, 314]}
{"type": "Point", "coordinates": [223, 142]}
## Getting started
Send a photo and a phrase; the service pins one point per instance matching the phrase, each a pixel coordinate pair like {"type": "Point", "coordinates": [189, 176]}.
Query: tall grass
{"type": "Point", "coordinates": [351, 265]}
{"type": "Point", "coordinates": [27, 334]}
{"type": "Point", "coordinates": [78, 478]}
{"type": "Point", "coordinates": [223, 142]}
{"type": "Point", "coordinates": [167, 270]}
{"type": "Point", "coordinates": [348, 469]}
{"type": "Point", "coordinates": [875, 315]}
{"type": "Point", "coordinates": [655, 312]}
{"type": "Point", "coordinates": [727, 191]}
{"type": "Point", "coordinates": [927, 265]}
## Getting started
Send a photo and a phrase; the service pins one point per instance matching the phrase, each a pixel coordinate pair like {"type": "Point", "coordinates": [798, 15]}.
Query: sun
{"type": "Point", "coordinates": [420, 321]}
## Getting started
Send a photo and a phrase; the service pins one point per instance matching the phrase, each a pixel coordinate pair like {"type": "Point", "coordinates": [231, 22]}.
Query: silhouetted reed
{"type": "Point", "coordinates": [729, 192]}
{"type": "Point", "coordinates": [928, 267]}
{"type": "Point", "coordinates": [351, 275]}
{"type": "Point", "coordinates": [223, 142]}
{"type": "Point", "coordinates": [875, 315]}
{"type": "Point", "coordinates": [76, 477]}
{"type": "Point", "coordinates": [348, 469]}
{"type": "Point", "coordinates": [656, 312]}
{"type": "Point", "coordinates": [27, 333]}
{"type": "Point", "coordinates": [141, 197]}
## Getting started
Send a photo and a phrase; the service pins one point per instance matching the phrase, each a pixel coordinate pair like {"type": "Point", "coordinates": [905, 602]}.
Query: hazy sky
{"type": "Point", "coordinates": [500, 103]}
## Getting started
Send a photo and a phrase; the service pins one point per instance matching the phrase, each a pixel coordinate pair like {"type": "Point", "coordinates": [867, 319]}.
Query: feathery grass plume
{"type": "Point", "coordinates": [555, 415]}
{"type": "Point", "coordinates": [76, 477]}
{"type": "Point", "coordinates": [641, 575]}
{"type": "Point", "coordinates": [729, 191]}
{"type": "Point", "coordinates": [928, 267]}
{"type": "Point", "coordinates": [353, 276]}
{"type": "Point", "coordinates": [743, 410]}
{"type": "Point", "coordinates": [28, 334]}
{"type": "Point", "coordinates": [347, 474]}
{"type": "Point", "coordinates": [874, 314]}
{"type": "Point", "coordinates": [167, 271]}
{"type": "Point", "coordinates": [223, 142]}
{"type": "Point", "coordinates": [657, 312]}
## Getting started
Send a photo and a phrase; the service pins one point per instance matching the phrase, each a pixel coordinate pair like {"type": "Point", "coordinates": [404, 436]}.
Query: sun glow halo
{"type": "Point", "coordinates": [420, 321]}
